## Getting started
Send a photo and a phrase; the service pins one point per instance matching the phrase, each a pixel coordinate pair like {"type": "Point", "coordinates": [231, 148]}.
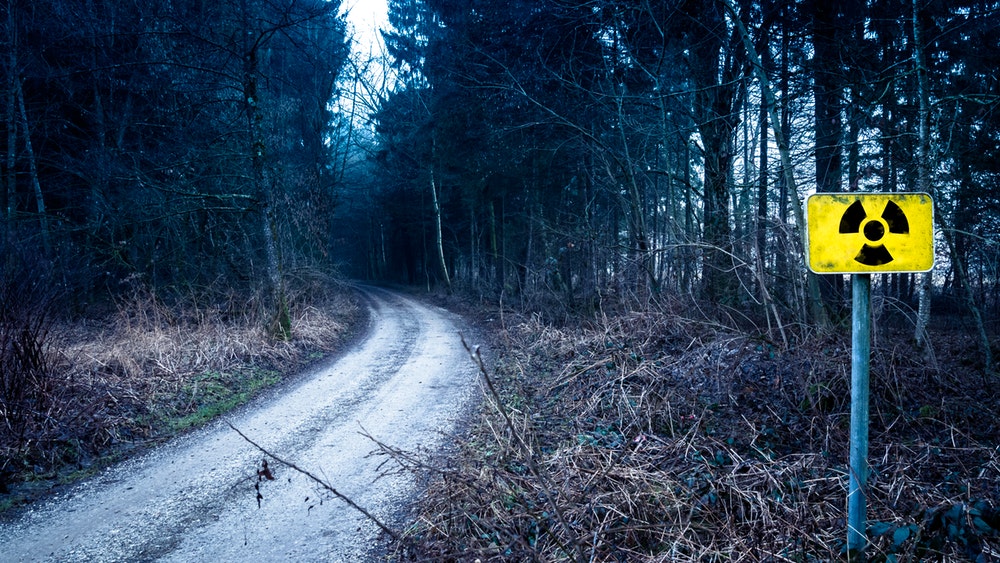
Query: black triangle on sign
{"type": "Point", "coordinates": [873, 255]}
{"type": "Point", "coordinates": [896, 219]}
{"type": "Point", "coordinates": [853, 217]}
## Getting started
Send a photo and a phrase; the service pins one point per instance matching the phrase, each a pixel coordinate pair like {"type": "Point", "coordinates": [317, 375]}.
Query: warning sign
{"type": "Point", "coordinates": [854, 233]}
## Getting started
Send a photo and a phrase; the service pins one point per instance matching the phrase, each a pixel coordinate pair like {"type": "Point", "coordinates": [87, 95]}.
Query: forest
{"type": "Point", "coordinates": [169, 178]}
{"type": "Point", "coordinates": [571, 163]}
{"type": "Point", "coordinates": [627, 181]}
{"type": "Point", "coordinates": [567, 153]}
{"type": "Point", "coordinates": [174, 145]}
{"type": "Point", "coordinates": [558, 153]}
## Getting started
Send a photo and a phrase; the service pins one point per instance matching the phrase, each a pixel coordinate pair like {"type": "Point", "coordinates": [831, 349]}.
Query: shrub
{"type": "Point", "coordinates": [25, 306]}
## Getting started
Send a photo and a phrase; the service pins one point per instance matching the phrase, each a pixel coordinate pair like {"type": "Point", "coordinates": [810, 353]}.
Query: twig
{"type": "Point", "coordinates": [406, 460]}
{"type": "Point", "coordinates": [321, 483]}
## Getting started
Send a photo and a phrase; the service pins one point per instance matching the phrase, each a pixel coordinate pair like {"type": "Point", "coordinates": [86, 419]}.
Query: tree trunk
{"type": "Point", "coordinates": [828, 95]}
{"type": "Point", "coordinates": [783, 243]}
{"type": "Point", "coordinates": [762, 186]}
{"type": "Point", "coordinates": [438, 234]}
{"type": "Point", "coordinates": [688, 265]}
{"type": "Point", "coordinates": [10, 204]}
{"type": "Point", "coordinates": [714, 97]}
{"type": "Point", "coordinates": [923, 170]}
{"type": "Point", "coordinates": [280, 319]}
{"type": "Point", "coordinates": [496, 273]}
{"type": "Point", "coordinates": [474, 251]}
{"type": "Point", "coordinates": [43, 220]}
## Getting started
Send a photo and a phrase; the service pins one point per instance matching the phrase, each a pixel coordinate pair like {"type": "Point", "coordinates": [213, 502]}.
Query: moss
{"type": "Point", "coordinates": [215, 393]}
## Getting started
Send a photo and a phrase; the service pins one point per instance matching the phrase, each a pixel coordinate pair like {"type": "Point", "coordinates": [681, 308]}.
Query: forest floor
{"type": "Point", "coordinates": [631, 436]}
{"type": "Point", "coordinates": [653, 436]}
{"type": "Point", "coordinates": [121, 382]}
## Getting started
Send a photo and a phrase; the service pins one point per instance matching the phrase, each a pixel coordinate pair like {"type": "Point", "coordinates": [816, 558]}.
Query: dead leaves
{"type": "Point", "coordinates": [263, 474]}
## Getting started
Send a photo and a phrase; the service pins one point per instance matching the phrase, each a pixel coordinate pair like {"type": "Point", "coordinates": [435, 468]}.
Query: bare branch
{"type": "Point", "coordinates": [325, 485]}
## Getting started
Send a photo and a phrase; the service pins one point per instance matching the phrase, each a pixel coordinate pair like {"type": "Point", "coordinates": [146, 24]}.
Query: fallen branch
{"type": "Point", "coordinates": [385, 528]}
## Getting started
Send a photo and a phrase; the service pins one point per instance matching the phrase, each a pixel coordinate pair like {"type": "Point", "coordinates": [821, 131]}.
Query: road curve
{"type": "Point", "coordinates": [407, 384]}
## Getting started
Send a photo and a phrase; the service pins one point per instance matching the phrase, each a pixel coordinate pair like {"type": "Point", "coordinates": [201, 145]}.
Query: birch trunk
{"type": "Point", "coordinates": [923, 169]}
{"type": "Point", "coordinates": [438, 235]}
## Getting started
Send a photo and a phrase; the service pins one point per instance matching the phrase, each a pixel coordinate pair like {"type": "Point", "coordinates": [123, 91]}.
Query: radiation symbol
{"type": "Point", "coordinates": [870, 232]}
{"type": "Point", "coordinates": [856, 219]}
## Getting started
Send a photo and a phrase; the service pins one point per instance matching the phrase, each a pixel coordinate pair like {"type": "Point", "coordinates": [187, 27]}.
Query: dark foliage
{"type": "Point", "coordinates": [590, 152]}
{"type": "Point", "coordinates": [134, 131]}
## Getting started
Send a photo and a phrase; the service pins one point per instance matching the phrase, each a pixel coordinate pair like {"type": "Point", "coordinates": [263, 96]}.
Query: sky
{"type": "Point", "coordinates": [366, 17]}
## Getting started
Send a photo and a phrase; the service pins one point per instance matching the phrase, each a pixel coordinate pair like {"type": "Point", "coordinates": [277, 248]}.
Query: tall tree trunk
{"type": "Point", "coordinates": [474, 252]}
{"type": "Point", "coordinates": [36, 187]}
{"type": "Point", "coordinates": [761, 226]}
{"type": "Point", "coordinates": [496, 273]}
{"type": "Point", "coordinates": [688, 265]}
{"type": "Point", "coordinates": [923, 168]}
{"type": "Point", "coordinates": [781, 254]}
{"type": "Point", "coordinates": [828, 103]}
{"type": "Point", "coordinates": [281, 324]}
{"type": "Point", "coordinates": [438, 234]}
{"type": "Point", "coordinates": [854, 126]}
{"type": "Point", "coordinates": [10, 203]}
{"type": "Point", "coordinates": [99, 186]}
{"type": "Point", "coordinates": [763, 170]}
{"type": "Point", "coordinates": [714, 102]}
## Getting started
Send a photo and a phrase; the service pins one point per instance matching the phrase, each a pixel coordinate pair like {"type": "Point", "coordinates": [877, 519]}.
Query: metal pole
{"type": "Point", "coordinates": [861, 346]}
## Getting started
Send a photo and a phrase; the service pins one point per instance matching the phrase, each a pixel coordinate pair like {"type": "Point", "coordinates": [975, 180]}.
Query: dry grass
{"type": "Point", "coordinates": [659, 439]}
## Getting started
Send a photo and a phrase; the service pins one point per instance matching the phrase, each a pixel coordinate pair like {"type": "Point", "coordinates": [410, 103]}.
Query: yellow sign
{"type": "Point", "coordinates": [856, 233]}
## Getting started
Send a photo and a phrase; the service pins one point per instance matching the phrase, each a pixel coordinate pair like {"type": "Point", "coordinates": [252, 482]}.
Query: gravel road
{"type": "Point", "coordinates": [407, 384]}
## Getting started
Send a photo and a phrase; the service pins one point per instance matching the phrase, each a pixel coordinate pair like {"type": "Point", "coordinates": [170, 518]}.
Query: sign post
{"type": "Point", "coordinates": [861, 347]}
{"type": "Point", "coordinates": [861, 234]}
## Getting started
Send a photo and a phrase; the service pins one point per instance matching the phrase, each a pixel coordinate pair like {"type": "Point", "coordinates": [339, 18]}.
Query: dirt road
{"type": "Point", "coordinates": [408, 381]}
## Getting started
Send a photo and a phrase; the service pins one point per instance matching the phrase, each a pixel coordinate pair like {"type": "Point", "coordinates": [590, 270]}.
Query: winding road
{"type": "Point", "coordinates": [407, 384]}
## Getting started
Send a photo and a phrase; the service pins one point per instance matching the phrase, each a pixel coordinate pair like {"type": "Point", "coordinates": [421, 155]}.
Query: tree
{"type": "Point", "coordinates": [572, 156]}
{"type": "Point", "coordinates": [145, 140]}
{"type": "Point", "coordinates": [716, 73]}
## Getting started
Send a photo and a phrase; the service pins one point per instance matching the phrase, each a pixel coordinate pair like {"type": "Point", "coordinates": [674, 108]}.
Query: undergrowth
{"type": "Point", "coordinates": [648, 437]}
